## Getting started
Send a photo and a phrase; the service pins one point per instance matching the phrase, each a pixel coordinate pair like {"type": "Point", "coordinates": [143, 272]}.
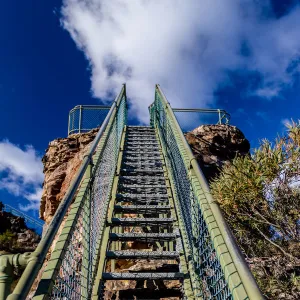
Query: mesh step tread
{"type": "Point", "coordinates": [144, 142]}
{"type": "Point", "coordinates": [140, 186]}
{"type": "Point", "coordinates": [142, 221]}
{"type": "Point", "coordinates": [147, 182]}
{"type": "Point", "coordinates": [143, 199]}
{"type": "Point", "coordinates": [142, 170]}
{"type": "Point", "coordinates": [132, 236]}
{"type": "Point", "coordinates": [136, 275]}
{"type": "Point", "coordinates": [141, 131]}
{"type": "Point", "coordinates": [137, 177]}
{"type": "Point", "coordinates": [157, 153]}
{"type": "Point", "coordinates": [125, 254]}
{"type": "Point", "coordinates": [145, 196]}
{"type": "Point", "coordinates": [142, 208]}
{"type": "Point", "coordinates": [141, 165]}
{"type": "Point", "coordinates": [144, 164]}
{"type": "Point", "coordinates": [140, 138]}
{"type": "Point", "coordinates": [141, 146]}
{"type": "Point", "coordinates": [128, 157]}
{"type": "Point", "coordinates": [139, 127]}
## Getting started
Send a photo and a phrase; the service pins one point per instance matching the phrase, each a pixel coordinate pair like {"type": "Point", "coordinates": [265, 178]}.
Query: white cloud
{"type": "Point", "coordinates": [286, 122]}
{"type": "Point", "coordinates": [21, 172]}
{"type": "Point", "coordinates": [186, 46]}
{"type": "Point", "coordinates": [268, 92]}
{"type": "Point", "coordinates": [34, 200]}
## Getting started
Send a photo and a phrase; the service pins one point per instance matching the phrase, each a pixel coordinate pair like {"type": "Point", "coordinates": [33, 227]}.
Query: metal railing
{"type": "Point", "coordinates": [83, 118]}
{"type": "Point", "coordinates": [216, 266]}
{"type": "Point", "coordinates": [189, 118]}
{"type": "Point", "coordinates": [71, 270]}
{"type": "Point", "coordinates": [31, 223]}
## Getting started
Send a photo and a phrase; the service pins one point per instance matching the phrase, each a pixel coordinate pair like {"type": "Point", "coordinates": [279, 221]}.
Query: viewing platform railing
{"type": "Point", "coordinates": [83, 118]}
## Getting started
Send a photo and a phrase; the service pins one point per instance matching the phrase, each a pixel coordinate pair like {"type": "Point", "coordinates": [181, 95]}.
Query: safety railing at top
{"type": "Point", "coordinates": [187, 118]}
{"type": "Point", "coordinates": [83, 118]}
{"type": "Point", "coordinates": [216, 266]}
{"type": "Point", "coordinates": [77, 226]}
{"type": "Point", "coordinates": [31, 223]}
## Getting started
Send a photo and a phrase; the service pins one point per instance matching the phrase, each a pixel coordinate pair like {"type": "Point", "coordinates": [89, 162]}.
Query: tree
{"type": "Point", "coordinates": [260, 198]}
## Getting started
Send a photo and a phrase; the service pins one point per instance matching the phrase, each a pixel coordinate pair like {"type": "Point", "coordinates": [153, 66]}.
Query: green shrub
{"type": "Point", "coordinates": [6, 240]}
{"type": "Point", "coordinates": [260, 198]}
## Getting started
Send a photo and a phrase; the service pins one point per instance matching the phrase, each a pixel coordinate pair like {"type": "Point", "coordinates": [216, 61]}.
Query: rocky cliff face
{"type": "Point", "coordinates": [215, 145]}
{"type": "Point", "coordinates": [61, 161]}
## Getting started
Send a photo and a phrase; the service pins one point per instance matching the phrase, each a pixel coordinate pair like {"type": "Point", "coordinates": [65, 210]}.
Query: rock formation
{"type": "Point", "coordinates": [61, 162]}
{"type": "Point", "coordinates": [215, 145]}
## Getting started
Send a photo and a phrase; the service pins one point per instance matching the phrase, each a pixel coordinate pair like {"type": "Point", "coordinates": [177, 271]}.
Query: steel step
{"type": "Point", "coordinates": [142, 199]}
{"type": "Point", "coordinates": [142, 186]}
{"type": "Point", "coordinates": [142, 209]}
{"type": "Point", "coordinates": [141, 181]}
{"type": "Point", "coordinates": [126, 254]}
{"type": "Point", "coordinates": [141, 153]}
{"type": "Point", "coordinates": [142, 221]}
{"type": "Point", "coordinates": [142, 236]}
{"type": "Point", "coordinates": [134, 170]}
{"type": "Point", "coordinates": [142, 189]}
{"type": "Point", "coordinates": [142, 146]}
{"type": "Point", "coordinates": [140, 132]}
{"type": "Point", "coordinates": [150, 197]}
{"type": "Point", "coordinates": [137, 137]}
{"type": "Point", "coordinates": [139, 128]}
{"type": "Point", "coordinates": [143, 143]}
{"type": "Point", "coordinates": [141, 138]}
{"type": "Point", "coordinates": [135, 275]}
{"type": "Point", "coordinates": [143, 164]}
{"type": "Point", "coordinates": [141, 158]}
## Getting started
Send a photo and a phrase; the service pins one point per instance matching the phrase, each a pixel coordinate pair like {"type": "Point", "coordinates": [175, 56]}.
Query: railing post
{"type": "Point", "coordinates": [69, 121]}
{"type": "Point", "coordinates": [80, 119]}
{"type": "Point", "coordinates": [220, 120]}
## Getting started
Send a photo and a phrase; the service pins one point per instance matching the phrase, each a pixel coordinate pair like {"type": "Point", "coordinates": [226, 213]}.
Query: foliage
{"type": "Point", "coordinates": [260, 198]}
{"type": "Point", "coordinates": [7, 239]}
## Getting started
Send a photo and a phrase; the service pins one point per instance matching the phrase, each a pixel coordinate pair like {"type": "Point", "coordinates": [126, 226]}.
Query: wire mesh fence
{"type": "Point", "coordinates": [83, 118]}
{"type": "Point", "coordinates": [209, 278]}
{"type": "Point", "coordinates": [78, 267]}
{"type": "Point", "coordinates": [71, 270]}
{"type": "Point", "coordinates": [189, 119]}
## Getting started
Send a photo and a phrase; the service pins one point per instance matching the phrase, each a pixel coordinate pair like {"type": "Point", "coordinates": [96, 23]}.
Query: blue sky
{"type": "Point", "coordinates": [242, 56]}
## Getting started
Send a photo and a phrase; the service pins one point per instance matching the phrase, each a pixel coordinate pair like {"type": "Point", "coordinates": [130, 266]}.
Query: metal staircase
{"type": "Point", "coordinates": [142, 179]}
{"type": "Point", "coordinates": [139, 198]}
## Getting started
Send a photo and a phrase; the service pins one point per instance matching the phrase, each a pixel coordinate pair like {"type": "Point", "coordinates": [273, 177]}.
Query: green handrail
{"type": "Point", "coordinates": [37, 258]}
{"type": "Point", "coordinates": [239, 278]}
